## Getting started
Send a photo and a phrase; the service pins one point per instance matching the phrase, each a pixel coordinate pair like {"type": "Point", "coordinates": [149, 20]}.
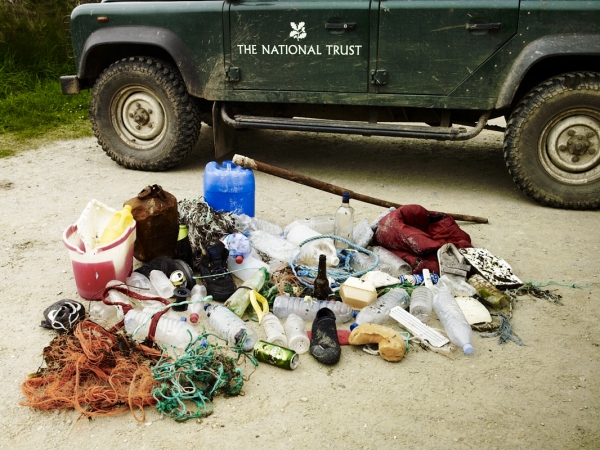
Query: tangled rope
{"type": "Point", "coordinates": [203, 371]}
{"type": "Point", "coordinates": [94, 371]}
{"type": "Point", "coordinates": [505, 332]}
{"type": "Point", "coordinates": [338, 274]}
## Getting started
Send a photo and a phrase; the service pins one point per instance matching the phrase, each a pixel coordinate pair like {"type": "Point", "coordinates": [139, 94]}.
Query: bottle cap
{"type": "Point", "coordinates": [194, 317]}
{"type": "Point", "coordinates": [182, 319]}
{"type": "Point", "coordinates": [346, 197]}
{"type": "Point", "coordinates": [239, 259]}
{"type": "Point", "coordinates": [353, 326]}
{"type": "Point", "coordinates": [468, 349]}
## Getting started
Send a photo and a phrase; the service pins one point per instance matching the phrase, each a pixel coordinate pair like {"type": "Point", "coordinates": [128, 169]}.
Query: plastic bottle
{"type": "Point", "coordinates": [421, 301]}
{"type": "Point", "coordinates": [379, 311]}
{"type": "Point", "coordinates": [240, 299]}
{"type": "Point", "coordinates": [274, 330]}
{"type": "Point", "coordinates": [362, 234]}
{"type": "Point", "coordinates": [230, 327]}
{"type": "Point", "coordinates": [196, 310]}
{"type": "Point", "coordinates": [283, 306]}
{"type": "Point", "coordinates": [238, 246]}
{"type": "Point", "coordinates": [139, 283]}
{"type": "Point", "coordinates": [116, 226]}
{"type": "Point", "coordinates": [297, 339]}
{"type": "Point", "coordinates": [169, 331]}
{"type": "Point", "coordinates": [309, 252]}
{"type": "Point", "coordinates": [321, 224]}
{"type": "Point", "coordinates": [456, 326]}
{"type": "Point", "coordinates": [418, 279]}
{"type": "Point", "coordinates": [344, 221]}
{"type": "Point", "coordinates": [100, 311]}
{"type": "Point", "coordinates": [488, 292]}
{"type": "Point", "coordinates": [246, 268]}
{"type": "Point", "coordinates": [394, 265]}
{"type": "Point", "coordinates": [162, 284]}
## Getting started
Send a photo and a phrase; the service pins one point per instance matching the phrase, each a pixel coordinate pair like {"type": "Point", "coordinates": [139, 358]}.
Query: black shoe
{"type": "Point", "coordinates": [213, 266]}
{"type": "Point", "coordinates": [324, 344]}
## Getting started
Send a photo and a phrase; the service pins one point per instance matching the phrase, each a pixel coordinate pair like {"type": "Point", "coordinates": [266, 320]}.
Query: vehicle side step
{"type": "Point", "coordinates": [347, 127]}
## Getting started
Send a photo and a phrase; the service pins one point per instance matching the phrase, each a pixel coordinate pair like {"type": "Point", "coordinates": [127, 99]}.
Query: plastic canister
{"type": "Point", "coordinates": [229, 188]}
{"type": "Point", "coordinates": [94, 267]}
{"type": "Point", "coordinates": [358, 293]}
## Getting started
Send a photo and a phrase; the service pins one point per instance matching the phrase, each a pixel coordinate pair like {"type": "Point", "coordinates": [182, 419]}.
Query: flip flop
{"type": "Point", "coordinates": [324, 345]}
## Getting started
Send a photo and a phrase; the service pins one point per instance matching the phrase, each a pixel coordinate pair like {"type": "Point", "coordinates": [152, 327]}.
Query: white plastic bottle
{"type": "Point", "coordinates": [283, 306]}
{"type": "Point", "coordinates": [229, 326]}
{"type": "Point", "coordinates": [344, 221]}
{"type": "Point", "coordinates": [421, 301]}
{"type": "Point", "coordinates": [379, 311]}
{"type": "Point", "coordinates": [246, 268]}
{"type": "Point", "coordinates": [169, 331]}
{"type": "Point", "coordinates": [297, 339]}
{"type": "Point", "coordinates": [456, 326]}
{"type": "Point", "coordinates": [140, 284]}
{"type": "Point", "coordinates": [162, 284]}
{"type": "Point", "coordinates": [196, 310]}
{"type": "Point", "coordinates": [274, 330]}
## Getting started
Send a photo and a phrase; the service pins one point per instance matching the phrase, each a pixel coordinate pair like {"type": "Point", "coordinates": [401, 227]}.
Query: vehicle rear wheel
{"type": "Point", "coordinates": [142, 114]}
{"type": "Point", "coordinates": [552, 142]}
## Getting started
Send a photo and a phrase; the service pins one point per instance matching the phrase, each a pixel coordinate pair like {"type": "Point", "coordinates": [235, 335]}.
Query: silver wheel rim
{"type": "Point", "coordinates": [569, 146]}
{"type": "Point", "coordinates": [138, 117]}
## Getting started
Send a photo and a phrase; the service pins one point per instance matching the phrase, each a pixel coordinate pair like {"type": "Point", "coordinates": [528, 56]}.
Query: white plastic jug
{"type": "Point", "coordinates": [309, 253]}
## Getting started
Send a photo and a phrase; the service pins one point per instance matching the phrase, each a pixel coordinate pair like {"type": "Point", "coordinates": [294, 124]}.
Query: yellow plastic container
{"type": "Point", "coordinates": [116, 226]}
{"type": "Point", "coordinates": [358, 293]}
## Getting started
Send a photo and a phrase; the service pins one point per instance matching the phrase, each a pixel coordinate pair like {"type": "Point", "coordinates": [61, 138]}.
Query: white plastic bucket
{"type": "Point", "coordinates": [95, 267]}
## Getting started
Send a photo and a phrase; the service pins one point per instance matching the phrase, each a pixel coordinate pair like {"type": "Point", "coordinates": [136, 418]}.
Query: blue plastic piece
{"type": "Point", "coordinates": [229, 188]}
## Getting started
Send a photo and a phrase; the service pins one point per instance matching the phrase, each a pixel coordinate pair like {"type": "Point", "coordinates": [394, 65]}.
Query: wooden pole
{"type": "Point", "coordinates": [250, 163]}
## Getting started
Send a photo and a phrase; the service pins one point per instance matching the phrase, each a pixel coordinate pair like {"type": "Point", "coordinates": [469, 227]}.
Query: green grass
{"type": "Point", "coordinates": [28, 118]}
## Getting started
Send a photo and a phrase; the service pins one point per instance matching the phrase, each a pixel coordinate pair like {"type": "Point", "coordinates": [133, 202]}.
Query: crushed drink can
{"type": "Point", "coordinates": [418, 279]}
{"type": "Point", "coordinates": [276, 355]}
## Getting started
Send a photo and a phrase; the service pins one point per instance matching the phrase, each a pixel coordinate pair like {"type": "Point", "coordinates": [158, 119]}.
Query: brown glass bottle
{"type": "Point", "coordinates": [321, 289]}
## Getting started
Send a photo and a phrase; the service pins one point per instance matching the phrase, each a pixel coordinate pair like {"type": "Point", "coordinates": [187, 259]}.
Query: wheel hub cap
{"type": "Point", "coordinates": [573, 144]}
{"type": "Point", "coordinates": [143, 116]}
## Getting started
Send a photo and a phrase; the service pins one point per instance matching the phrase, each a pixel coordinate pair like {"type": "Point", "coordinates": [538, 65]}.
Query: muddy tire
{"type": "Point", "coordinates": [142, 114]}
{"type": "Point", "coordinates": [552, 142]}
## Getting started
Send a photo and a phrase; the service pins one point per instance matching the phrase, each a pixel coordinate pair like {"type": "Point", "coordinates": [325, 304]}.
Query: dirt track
{"type": "Point", "coordinates": [544, 395]}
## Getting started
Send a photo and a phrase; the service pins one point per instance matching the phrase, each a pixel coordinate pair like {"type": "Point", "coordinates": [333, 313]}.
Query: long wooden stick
{"type": "Point", "coordinates": [250, 163]}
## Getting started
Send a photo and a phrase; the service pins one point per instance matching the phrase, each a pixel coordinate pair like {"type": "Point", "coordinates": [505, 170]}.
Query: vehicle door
{"type": "Point", "coordinates": [432, 46]}
{"type": "Point", "coordinates": [302, 45]}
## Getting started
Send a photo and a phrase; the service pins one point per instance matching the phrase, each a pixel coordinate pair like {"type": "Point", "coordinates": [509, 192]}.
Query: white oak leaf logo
{"type": "Point", "coordinates": [298, 31]}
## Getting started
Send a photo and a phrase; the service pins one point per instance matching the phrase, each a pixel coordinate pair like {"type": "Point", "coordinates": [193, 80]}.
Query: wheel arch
{"type": "Point", "coordinates": [545, 58]}
{"type": "Point", "coordinates": [107, 45]}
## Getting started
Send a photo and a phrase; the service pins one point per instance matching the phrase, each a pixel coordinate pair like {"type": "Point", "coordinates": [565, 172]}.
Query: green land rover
{"type": "Point", "coordinates": [431, 69]}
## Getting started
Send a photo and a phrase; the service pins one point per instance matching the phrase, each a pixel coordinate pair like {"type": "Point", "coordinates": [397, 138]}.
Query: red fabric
{"type": "Point", "coordinates": [415, 234]}
{"type": "Point", "coordinates": [343, 336]}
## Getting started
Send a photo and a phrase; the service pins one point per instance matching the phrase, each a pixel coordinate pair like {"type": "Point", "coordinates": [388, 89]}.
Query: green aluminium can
{"type": "Point", "coordinates": [276, 356]}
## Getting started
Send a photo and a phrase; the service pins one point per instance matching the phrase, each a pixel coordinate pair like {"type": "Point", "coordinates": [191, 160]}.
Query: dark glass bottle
{"type": "Point", "coordinates": [183, 249]}
{"type": "Point", "coordinates": [321, 289]}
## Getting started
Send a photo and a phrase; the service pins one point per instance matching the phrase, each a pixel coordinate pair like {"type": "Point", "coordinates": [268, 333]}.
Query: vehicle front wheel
{"type": "Point", "coordinates": [142, 114]}
{"type": "Point", "coordinates": [552, 142]}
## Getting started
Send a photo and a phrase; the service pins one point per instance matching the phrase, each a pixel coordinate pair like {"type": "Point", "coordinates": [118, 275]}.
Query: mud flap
{"type": "Point", "coordinates": [225, 137]}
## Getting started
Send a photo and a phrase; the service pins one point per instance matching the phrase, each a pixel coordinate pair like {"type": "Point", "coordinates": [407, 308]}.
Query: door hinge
{"type": "Point", "coordinates": [379, 76]}
{"type": "Point", "coordinates": [232, 74]}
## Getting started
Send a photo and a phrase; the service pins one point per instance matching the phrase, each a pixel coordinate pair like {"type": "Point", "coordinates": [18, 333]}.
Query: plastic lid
{"type": "Point", "coordinates": [239, 259]}
{"type": "Point", "coordinates": [353, 326]}
{"type": "Point", "coordinates": [194, 317]}
{"type": "Point", "coordinates": [346, 197]}
{"type": "Point", "coordinates": [182, 319]}
{"type": "Point", "coordinates": [468, 349]}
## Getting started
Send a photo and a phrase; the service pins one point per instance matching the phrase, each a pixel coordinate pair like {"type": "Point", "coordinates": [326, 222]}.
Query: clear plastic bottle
{"type": "Point", "coordinates": [320, 224]}
{"type": "Point", "coordinates": [162, 284]}
{"type": "Point", "coordinates": [238, 246]}
{"type": "Point", "coordinates": [140, 284]}
{"type": "Point", "coordinates": [379, 311]}
{"type": "Point", "coordinates": [275, 247]}
{"type": "Point", "coordinates": [456, 326]}
{"type": "Point", "coordinates": [274, 330]}
{"type": "Point", "coordinates": [230, 327]}
{"type": "Point", "coordinates": [169, 331]}
{"type": "Point", "coordinates": [391, 263]}
{"type": "Point", "coordinates": [362, 234]}
{"type": "Point", "coordinates": [344, 221]}
{"type": "Point", "coordinates": [196, 310]}
{"type": "Point", "coordinates": [240, 299]}
{"type": "Point", "coordinates": [100, 311]}
{"type": "Point", "coordinates": [283, 306]}
{"type": "Point", "coordinates": [421, 301]}
{"type": "Point", "coordinates": [296, 334]}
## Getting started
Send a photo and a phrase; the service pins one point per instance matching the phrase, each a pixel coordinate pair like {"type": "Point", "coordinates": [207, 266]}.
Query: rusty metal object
{"type": "Point", "coordinates": [157, 223]}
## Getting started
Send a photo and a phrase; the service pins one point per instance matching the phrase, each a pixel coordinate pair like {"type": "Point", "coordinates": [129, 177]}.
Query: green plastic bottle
{"type": "Point", "coordinates": [240, 299]}
{"type": "Point", "coordinates": [118, 223]}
